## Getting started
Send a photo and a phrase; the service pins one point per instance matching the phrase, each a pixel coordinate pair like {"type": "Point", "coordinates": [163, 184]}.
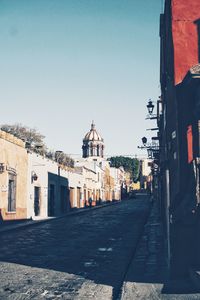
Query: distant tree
{"type": "Point", "coordinates": [60, 157]}
{"type": "Point", "coordinates": [35, 142]}
{"type": "Point", "coordinates": [63, 159]}
{"type": "Point", "coordinates": [131, 165]}
{"type": "Point", "coordinates": [29, 135]}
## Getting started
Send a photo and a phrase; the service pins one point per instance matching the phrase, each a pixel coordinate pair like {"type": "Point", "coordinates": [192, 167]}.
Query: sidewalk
{"type": "Point", "coordinates": [147, 274]}
{"type": "Point", "coordinates": [6, 226]}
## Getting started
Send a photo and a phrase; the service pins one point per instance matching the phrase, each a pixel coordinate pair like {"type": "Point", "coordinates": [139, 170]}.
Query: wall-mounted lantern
{"type": "Point", "coordinates": [34, 176]}
{"type": "Point", "coordinates": [2, 168]}
{"type": "Point", "coordinates": [144, 141]}
{"type": "Point", "coordinates": [150, 107]}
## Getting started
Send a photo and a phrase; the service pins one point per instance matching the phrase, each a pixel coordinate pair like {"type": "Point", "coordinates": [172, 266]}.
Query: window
{"type": "Point", "coordinates": [91, 151]}
{"type": "Point", "coordinates": [11, 192]}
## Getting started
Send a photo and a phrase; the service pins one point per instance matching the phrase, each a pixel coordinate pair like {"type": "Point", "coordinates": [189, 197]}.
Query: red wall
{"type": "Point", "coordinates": [185, 36]}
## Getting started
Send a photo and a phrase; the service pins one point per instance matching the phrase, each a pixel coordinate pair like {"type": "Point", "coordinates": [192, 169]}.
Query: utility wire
{"type": "Point", "coordinates": [113, 155]}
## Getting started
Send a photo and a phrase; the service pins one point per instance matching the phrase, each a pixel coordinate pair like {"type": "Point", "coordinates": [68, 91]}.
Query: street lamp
{"type": "Point", "coordinates": [150, 107]}
{"type": "Point", "coordinates": [144, 141]}
{"type": "Point", "coordinates": [152, 148]}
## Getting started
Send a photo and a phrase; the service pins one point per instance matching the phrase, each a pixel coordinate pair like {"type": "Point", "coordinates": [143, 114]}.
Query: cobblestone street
{"type": "Point", "coordinates": [80, 257]}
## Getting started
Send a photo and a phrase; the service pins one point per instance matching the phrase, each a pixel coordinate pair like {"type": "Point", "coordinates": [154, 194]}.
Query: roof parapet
{"type": "Point", "coordinates": [11, 138]}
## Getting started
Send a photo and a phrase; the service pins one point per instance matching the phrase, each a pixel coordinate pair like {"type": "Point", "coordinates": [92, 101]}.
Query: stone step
{"type": "Point", "coordinates": [195, 277]}
{"type": "Point", "coordinates": [180, 286]}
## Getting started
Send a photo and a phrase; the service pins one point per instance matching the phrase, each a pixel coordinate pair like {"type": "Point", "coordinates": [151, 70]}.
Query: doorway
{"type": "Point", "coordinates": [51, 207]}
{"type": "Point", "coordinates": [36, 201]}
{"type": "Point", "coordinates": [78, 197]}
{"type": "Point", "coordinates": [71, 197]}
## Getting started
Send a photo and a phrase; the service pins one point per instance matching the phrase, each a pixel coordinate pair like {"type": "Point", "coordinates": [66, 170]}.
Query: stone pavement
{"type": "Point", "coordinates": [147, 275]}
{"type": "Point", "coordinates": [17, 224]}
{"type": "Point", "coordinates": [81, 257]}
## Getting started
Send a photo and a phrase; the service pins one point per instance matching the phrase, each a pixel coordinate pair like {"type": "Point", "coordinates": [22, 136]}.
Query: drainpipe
{"type": "Point", "coordinates": [168, 217]}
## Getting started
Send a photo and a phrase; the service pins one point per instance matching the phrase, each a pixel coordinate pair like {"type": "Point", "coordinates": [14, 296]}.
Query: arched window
{"type": "Point", "coordinates": [98, 150]}
{"type": "Point", "coordinates": [91, 151]}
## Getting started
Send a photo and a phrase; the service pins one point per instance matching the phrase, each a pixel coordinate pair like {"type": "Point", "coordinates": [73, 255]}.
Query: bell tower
{"type": "Point", "coordinates": [93, 144]}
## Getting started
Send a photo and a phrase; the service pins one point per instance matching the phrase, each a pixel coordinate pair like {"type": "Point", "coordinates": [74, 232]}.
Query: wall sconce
{"type": "Point", "coordinates": [144, 141]}
{"type": "Point", "coordinates": [34, 176]}
{"type": "Point", "coordinates": [2, 168]}
{"type": "Point", "coordinates": [150, 107]}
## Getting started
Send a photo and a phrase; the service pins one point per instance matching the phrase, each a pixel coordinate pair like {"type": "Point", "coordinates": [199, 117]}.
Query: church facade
{"type": "Point", "coordinates": [93, 158]}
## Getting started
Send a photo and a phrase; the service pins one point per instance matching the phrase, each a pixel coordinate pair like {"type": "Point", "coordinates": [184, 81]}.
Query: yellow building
{"type": "Point", "coordinates": [128, 181]}
{"type": "Point", "coordinates": [136, 185]}
{"type": "Point", "coordinates": [13, 177]}
{"type": "Point", "coordinates": [109, 184]}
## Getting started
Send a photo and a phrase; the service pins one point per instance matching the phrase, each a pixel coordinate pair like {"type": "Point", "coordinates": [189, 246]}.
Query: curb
{"type": "Point", "coordinates": [70, 214]}
{"type": "Point", "coordinates": [119, 293]}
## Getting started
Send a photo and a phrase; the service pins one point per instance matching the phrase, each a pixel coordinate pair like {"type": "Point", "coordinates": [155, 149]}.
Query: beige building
{"type": "Point", "coordinates": [145, 170]}
{"type": "Point", "coordinates": [119, 178]}
{"type": "Point", "coordinates": [107, 185]}
{"type": "Point", "coordinates": [13, 177]}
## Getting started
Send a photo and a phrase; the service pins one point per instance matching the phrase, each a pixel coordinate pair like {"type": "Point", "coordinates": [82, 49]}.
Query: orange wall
{"type": "Point", "coordinates": [185, 36]}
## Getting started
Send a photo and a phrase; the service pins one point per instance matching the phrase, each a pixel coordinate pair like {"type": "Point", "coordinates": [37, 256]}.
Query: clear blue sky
{"type": "Point", "coordinates": [65, 63]}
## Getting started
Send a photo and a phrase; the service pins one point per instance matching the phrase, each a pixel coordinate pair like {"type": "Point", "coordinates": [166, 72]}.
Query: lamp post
{"type": "Point", "coordinates": [158, 152]}
{"type": "Point", "coordinates": [153, 148]}
{"type": "Point", "coordinates": [58, 155]}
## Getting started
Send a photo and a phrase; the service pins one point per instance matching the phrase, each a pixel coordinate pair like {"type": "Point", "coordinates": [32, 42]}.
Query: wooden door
{"type": "Point", "coordinates": [78, 197]}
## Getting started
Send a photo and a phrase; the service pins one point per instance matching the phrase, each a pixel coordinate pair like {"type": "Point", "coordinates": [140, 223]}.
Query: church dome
{"type": "Point", "coordinates": [93, 143]}
{"type": "Point", "coordinates": [93, 135]}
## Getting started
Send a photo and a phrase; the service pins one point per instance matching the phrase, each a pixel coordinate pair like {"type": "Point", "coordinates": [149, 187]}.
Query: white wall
{"type": "Point", "coordinates": [146, 169]}
{"type": "Point", "coordinates": [89, 175]}
{"type": "Point", "coordinates": [40, 166]}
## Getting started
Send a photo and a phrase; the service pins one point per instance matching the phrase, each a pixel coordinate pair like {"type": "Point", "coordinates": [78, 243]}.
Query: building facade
{"type": "Point", "coordinates": [179, 133]}
{"type": "Point", "coordinates": [48, 188]}
{"type": "Point", "coordinates": [108, 179]}
{"type": "Point", "coordinates": [34, 186]}
{"type": "Point", "coordinates": [13, 177]}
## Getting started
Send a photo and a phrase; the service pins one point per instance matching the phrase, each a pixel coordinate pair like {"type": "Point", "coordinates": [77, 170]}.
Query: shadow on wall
{"type": "Point", "coordinates": [58, 195]}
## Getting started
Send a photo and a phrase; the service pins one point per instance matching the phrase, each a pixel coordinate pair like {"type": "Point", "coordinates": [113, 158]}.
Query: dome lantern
{"type": "Point", "coordinates": [93, 143]}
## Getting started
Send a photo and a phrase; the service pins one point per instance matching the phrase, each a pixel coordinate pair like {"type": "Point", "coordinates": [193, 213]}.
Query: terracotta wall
{"type": "Point", "coordinates": [185, 13]}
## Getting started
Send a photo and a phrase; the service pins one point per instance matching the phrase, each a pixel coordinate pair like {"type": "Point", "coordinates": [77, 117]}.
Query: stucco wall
{"type": "Point", "coordinates": [14, 157]}
{"type": "Point", "coordinates": [185, 36]}
{"type": "Point", "coordinates": [40, 166]}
